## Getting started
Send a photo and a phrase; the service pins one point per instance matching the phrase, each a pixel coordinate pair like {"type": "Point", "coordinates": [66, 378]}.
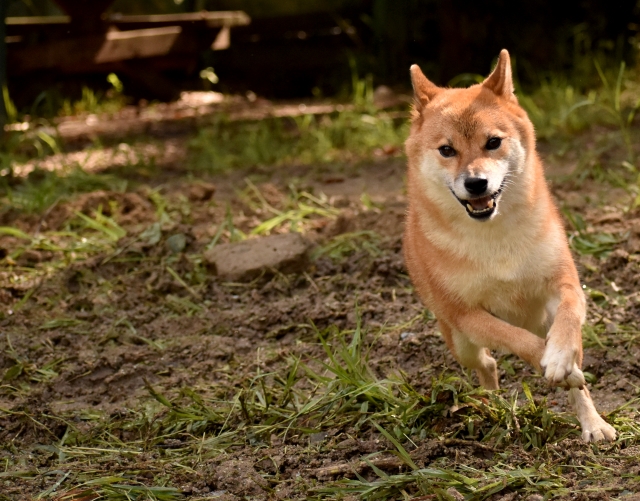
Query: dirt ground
{"type": "Point", "coordinates": [93, 343]}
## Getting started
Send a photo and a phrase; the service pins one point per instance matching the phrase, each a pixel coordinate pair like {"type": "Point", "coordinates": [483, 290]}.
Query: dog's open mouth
{"type": "Point", "coordinates": [483, 207]}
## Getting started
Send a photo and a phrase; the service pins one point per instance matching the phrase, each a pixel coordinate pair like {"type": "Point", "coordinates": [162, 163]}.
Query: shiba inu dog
{"type": "Point", "coordinates": [484, 243]}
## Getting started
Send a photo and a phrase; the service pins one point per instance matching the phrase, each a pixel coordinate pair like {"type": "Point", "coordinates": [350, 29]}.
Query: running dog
{"type": "Point", "coordinates": [484, 243]}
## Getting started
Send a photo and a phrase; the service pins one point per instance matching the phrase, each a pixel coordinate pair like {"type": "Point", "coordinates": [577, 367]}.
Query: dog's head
{"type": "Point", "coordinates": [469, 145]}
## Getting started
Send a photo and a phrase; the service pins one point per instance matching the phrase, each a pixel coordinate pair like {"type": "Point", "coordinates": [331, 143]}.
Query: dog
{"type": "Point", "coordinates": [484, 243]}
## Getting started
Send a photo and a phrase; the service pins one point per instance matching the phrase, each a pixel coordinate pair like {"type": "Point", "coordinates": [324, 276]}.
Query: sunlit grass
{"type": "Point", "coordinates": [339, 137]}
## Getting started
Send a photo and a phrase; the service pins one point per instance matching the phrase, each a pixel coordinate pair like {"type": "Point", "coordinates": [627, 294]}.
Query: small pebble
{"type": "Point", "coordinates": [177, 243]}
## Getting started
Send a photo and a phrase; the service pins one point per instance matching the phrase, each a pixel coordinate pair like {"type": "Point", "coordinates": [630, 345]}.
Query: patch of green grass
{"type": "Point", "coordinates": [574, 101]}
{"type": "Point", "coordinates": [585, 242]}
{"type": "Point", "coordinates": [345, 135]}
{"type": "Point", "coordinates": [348, 243]}
{"type": "Point", "coordinates": [299, 207]}
{"type": "Point", "coordinates": [50, 103]}
{"type": "Point", "coordinates": [23, 145]}
{"type": "Point", "coordinates": [42, 189]}
{"type": "Point", "coordinates": [338, 137]}
{"type": "Point", "coordinates": [565, 107]}
{"type": "Point", "coordinates": [613, 105]}
{"type": "Point", "coordinates": [469, 482]}
{"type": "Point", "coordinates": [295, 212]}
{"type": "Point", "coordinates": [83, 237]}
{"type": "Point", "coordinates": [556, 106]}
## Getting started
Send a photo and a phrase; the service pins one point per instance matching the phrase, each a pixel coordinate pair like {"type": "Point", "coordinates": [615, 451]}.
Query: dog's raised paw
{"type": "Point", "coordinates": [576, 378]}
{"type": "Point", "coordinates": [560, 369]}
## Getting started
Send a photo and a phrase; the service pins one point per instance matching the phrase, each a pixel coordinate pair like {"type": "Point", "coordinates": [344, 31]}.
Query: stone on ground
{"type": "Point", "coordinates": [287, 253]}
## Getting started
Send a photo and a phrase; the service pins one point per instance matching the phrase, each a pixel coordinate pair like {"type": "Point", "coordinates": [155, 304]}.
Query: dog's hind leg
{"type": "Point", "coordinates": [472, 356]}
{"type": "Point", "coordinates": [594, 428]}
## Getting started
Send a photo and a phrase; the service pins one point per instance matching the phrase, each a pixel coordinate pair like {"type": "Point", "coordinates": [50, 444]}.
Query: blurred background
{"type": "Point", "coordinates": [301, 48]}
{"type": "Point", "coordinates": [308, 81]}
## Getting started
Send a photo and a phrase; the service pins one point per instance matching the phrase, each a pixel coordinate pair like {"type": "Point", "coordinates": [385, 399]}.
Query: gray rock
{"type": "Point", "coordinates": [177, 243]}
{"type": "Point", "coordinates": [317, 438]}
{"type": "Point", "coordinates": [287, 253]}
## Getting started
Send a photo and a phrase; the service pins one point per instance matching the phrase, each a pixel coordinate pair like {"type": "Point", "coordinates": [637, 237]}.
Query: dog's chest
{"type": "Point", "coordinates": [510, 279]}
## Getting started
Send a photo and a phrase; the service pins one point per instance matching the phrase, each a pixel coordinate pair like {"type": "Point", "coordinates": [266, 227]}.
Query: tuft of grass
{"type": "Point", "coordinates": [22, 145]}
{"type": "Point", "coordinates": [348, 243]}
{"type": "Point", "coordinates": [295, 212]}
{"type": "Point", "coordinates": [343, 391]}
{"type": "Point", "coordinates": [590, 243]}
{"type": "Point", "coordinates": [83, 237]}
{"type": "Point", "coordinates": [558, 106]}
{"type": "Point", "coordinates": [574, 101]}
{"type": "Point", "coordinates": [342, 136]}
{"type": "Point", "coordinates": [612, 104]}
{"type": "Point", "coordinates": [50, 103]}
{"type": "Point", "coordinates": [300, 207]}
{"type": "Point", "coordinates": [42, 189]}
{"type": "Point", "coordinates": [438, 483]}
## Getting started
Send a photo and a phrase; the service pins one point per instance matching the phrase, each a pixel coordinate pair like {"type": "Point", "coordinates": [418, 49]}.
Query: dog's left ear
{"type": "Point", "coordinates": [423, 89]}
{"type": "Point", "coordinates": [501, 81]}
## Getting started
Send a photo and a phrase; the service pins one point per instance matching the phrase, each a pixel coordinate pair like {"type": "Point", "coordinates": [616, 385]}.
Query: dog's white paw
{"type": "Point", "coordinates": [560, 367]}
{"type": "Point", "coordinates": [596, 429]}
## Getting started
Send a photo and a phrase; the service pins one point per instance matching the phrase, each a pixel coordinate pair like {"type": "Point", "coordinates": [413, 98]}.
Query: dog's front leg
{"type": "Point", "coordinates": [485, 330]}
{"type": "Point", "coordinates": [562, 359]}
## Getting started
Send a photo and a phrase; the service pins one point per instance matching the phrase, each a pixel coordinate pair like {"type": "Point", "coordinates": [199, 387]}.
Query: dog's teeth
{"type": "Point", "coordinates": [470, 207]}
{"type": "Point", "coordinates": [491, 203]}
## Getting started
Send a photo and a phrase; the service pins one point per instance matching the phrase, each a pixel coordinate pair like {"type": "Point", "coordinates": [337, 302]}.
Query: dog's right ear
{"type": "Point", "coordinates": [501, 80]}
{"type": "Point", "coordinates": [423, 89]}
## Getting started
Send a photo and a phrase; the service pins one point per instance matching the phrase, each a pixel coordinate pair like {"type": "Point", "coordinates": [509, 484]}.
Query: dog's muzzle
{"type": "Point", "coordinates": [481, 208]}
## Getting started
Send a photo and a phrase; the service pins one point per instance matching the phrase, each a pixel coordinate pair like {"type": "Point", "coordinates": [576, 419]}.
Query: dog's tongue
{"type": "Point", "coordinates": [479, 203]}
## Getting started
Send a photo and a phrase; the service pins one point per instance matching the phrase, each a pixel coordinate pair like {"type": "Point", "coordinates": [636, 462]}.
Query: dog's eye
{"type": "Point", "coordinates": [447, 151]}
{"type": "Point", "coordinates": [493, 143]}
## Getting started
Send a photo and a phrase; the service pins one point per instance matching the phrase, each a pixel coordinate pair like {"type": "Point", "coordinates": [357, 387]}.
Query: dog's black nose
{"type": "Point", "coordinates": [475, 185]}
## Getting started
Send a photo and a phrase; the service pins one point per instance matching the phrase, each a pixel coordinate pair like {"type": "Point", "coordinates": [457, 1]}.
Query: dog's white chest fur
{"type": "Point", "coordinates": [509, 265]}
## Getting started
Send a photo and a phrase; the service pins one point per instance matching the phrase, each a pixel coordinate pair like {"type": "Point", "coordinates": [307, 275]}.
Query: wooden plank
{"type": "Point", "coordinates": [37, 20]}
{"type": "Point", "coordinates": [137, 44]}
{"type": "Point", "coordinates": [223, 40]}
{"type": "Point", "coordinates": [96, 50]}
{"type": "Point", "coordinates": [60, 46]}
{"type": "Point", "coordinates": [210, 19]}
{"type": "Point", "coordinates": [200, 20]}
